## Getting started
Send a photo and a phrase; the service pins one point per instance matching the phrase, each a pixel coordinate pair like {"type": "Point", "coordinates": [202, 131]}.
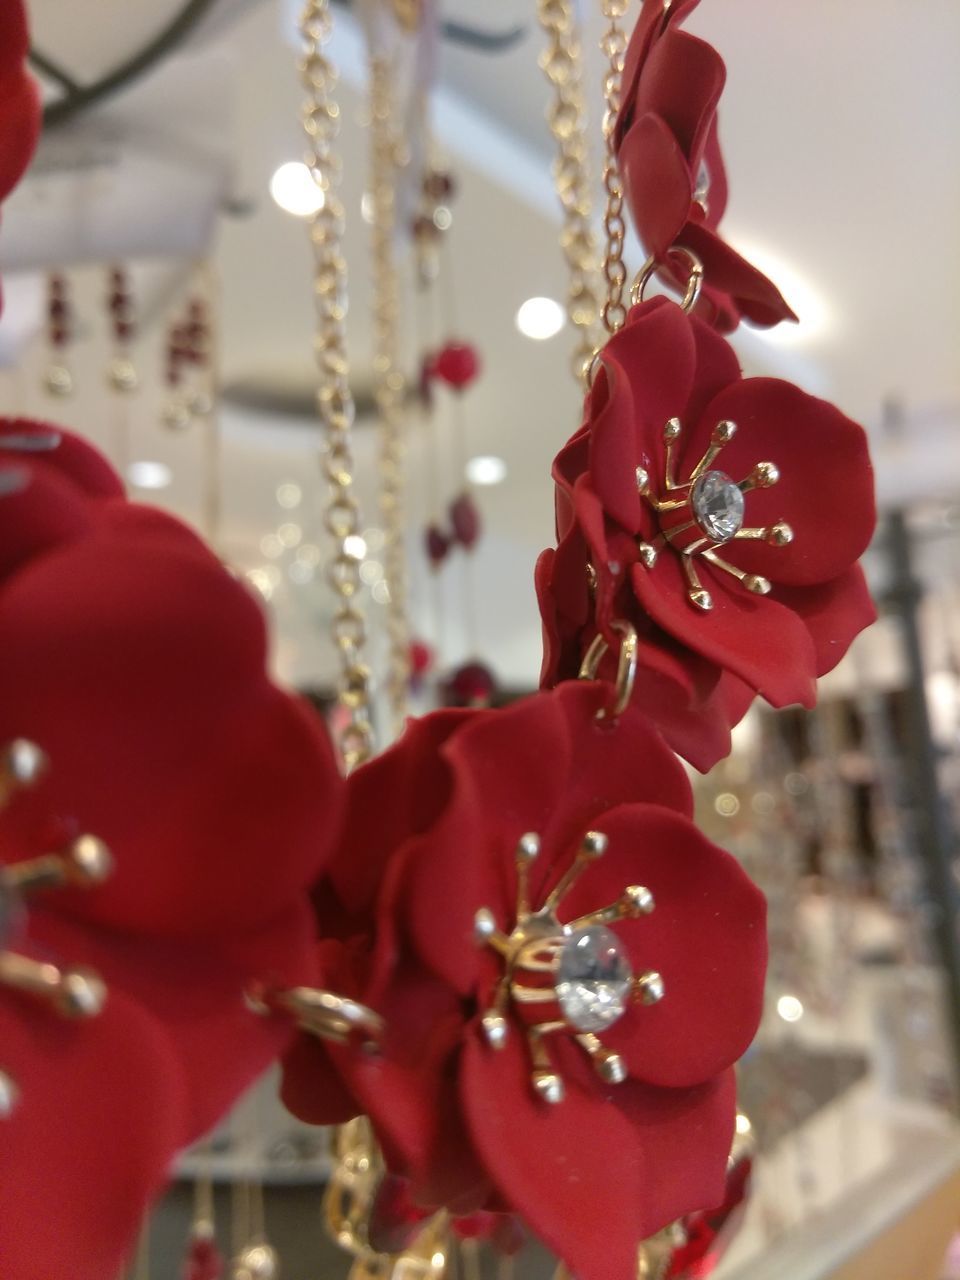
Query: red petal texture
{"type": "Point", "coordinates": [663, 364]}
{"type": "Point", "coordinates": [666, 136]}
{"type": "Point", "coordinates": [607, 1167]}
{"type": "Point", "coordinates": [461, 1120]}
{"type": "Point", "coordinates": [87, 1148]}
{"type": "Point", "coordinates": [103, 638]}
{"type": "Point", "coordinates": [131, 656]}
{"type": "Point", "coordinates": [687, 939]}
{"type": "Point", "coordinates": [19, 96]}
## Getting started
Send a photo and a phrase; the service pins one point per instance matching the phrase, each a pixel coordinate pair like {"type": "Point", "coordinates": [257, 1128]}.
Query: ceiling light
{"type": "Point", "coordinates": [790, 1008]}
{"type": "Point", "coordinates": [149, 475]}
{"type": "Point", "coordinates": [354, 546]}
{"type": "Point", "coordinates": [540, 318]}
{"type": "Point", "coordinates": [295, 191]}
{"type": "Point", "coordinates": [486, 469]}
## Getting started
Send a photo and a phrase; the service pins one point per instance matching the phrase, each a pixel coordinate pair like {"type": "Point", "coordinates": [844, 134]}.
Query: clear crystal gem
{"type": "Point", "coordinates": [594, 978]}
{"type": "Point", "coordinates": [718, 505]}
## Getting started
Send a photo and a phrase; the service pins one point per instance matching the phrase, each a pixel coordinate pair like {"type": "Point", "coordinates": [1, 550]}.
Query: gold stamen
{"type": "Point", "coordinates": [527, 851]}
{"type": "Point", "coordinates": [85, 862]}
{"type": "Point", "coordinates": [722, 434]}
{"type": "Point", "coordinates": [74, 993]}
{"type": "Point", "coordinates": [763, 476]}
{"type": "Point", "coordinates": [594, 846]}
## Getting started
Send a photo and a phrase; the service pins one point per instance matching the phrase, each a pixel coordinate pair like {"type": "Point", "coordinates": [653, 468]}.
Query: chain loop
{"type": "Point", "coordinates": [614, 47]}
{"type": "Point", "coordinates": [389, 384]}
{"type": "Point", "coordinates": [321, 119]}
{"type": "Point", "coordinates": [562, 63]}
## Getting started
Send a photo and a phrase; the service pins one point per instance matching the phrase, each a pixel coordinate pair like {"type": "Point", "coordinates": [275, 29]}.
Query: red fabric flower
{"type": "Point", "coordinates": [137, 663]}
{"type": "Point", "coordinates": [19, 98]}
{"type": "Point", "coordinates": [672, 166]}
{"type": "Point", "coordinates": [744, 581]}
{"type": "Point", "coordinates": [465, 1098]}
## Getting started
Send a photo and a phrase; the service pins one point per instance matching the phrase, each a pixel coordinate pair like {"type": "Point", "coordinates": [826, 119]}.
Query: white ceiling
{"type": "Point", "coordinates": [839, 125]}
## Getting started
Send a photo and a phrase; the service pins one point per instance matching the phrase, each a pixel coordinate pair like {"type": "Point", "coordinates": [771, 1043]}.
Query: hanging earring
{"type": "Point", "coordinates": [121, 373]}
{"type": "Point", "coordinates": [57, 378]}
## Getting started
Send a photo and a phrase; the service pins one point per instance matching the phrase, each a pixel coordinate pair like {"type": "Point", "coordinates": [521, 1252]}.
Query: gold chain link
{"type": "Point", "coordinates": [321, 120]}
{"type": "Point", "coordinates": [614, 47]}
{"type": "Point", "coordinates": [562, 63]}
{"type": "Point", "coordinates": [389, 386]}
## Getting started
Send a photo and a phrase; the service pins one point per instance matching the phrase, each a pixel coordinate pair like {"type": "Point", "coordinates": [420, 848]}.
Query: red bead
{"type": "Point", "coordinates": [203, 1260]}
{"type": "Point", "coordinates": [59, 336]}
{"type": "Point", "coordinates": [472, 685]}
{"type": "Point", "coordinates": [438, 545]}
{"type": "Point", "coordinates": [58, 308]}
{"type": "Point", "coordinates": [457, 364]}
{"type": "Point", "coordinates": [424, 228]}
{"type": "Point", "coordinates": [124, 330]}
{"type": "Point", "coordinates": [421, 658]}
{"type": "Point", "coordinates": [438, 186]}
{"type": "Point", "coordinates": [58, 285]}
{"type": "Point", "coordinates": [465, 518]}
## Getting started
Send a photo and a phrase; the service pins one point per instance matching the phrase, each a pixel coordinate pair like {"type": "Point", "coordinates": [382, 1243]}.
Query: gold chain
{"type": "Point", "coordinates": [614, 47]}
{"type": "Point", "coordinates": [562, 63]}
{"type": "Point", "coordinates": [321, 119]}
{"type": "Point", "coordinates": [388, 379]}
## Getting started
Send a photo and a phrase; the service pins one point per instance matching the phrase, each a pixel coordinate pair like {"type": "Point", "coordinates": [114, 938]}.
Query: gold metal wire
{"type": "Point", "coordinates": [389, 383]}
{"type": "Point", "coordinates": [562, 63]}
{"type": "Point", "coordinates": [614, 47]}
{"type": "Point", "coordinates": [335, 406]}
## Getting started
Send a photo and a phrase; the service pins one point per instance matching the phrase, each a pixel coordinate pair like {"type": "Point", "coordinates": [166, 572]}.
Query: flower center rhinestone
{"type": "Point", "coordinates": [702, 513]}
{"type": "Point", "coordinates": [594, 980]}
{"type": "Point", "coordinates": [573, 978]}
{"type": "Point", "coordinates": [718, 506]}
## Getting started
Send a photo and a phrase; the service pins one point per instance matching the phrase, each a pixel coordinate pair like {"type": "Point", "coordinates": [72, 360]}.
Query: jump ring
{"type": "Point", "coordinates": [653, 265]}
{"type": "Point", "coordinates": [626, 666]}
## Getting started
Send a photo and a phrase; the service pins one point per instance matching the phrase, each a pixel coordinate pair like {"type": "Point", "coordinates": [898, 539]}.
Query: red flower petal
{"type": "Point", "coordinates": [707, 926]}
{"type": "Point", "coordinates": [410, 1092]}
{"type": "Point", "coordinates": [756, 298]}
{"type": "Point", "coordinates": [825, 491]}
{"type": "Point", "coordinates": [397, 795]}
{"type": "Point", "coordinates": [763, 643]}
{"type": "Point", "coordinates": [652, 161]}
{"type": "Point", "coordinates": [646, 377]}
{"type": "Point", "coordinates": [102, 638]}
{"type": "Point", "coordinates": [545, 764]}
{"type": "Point", "coordinates": [608, 1166]}
{"type": "Point", "coordinates": [99, 1118]}
{"type": "Point", "coordinates": [834, 614]}
{"type": "Point", "coordinates": [20, 118]}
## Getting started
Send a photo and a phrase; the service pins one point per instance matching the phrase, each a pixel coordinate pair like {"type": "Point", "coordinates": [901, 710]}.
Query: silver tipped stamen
{"type": "Point", "coordinates": [649, 987]}
{"type": "Point", "coordinates": [495, 1029]}
{"type": "Point", "coordinates": [484, 925]}
{"type": "Point", "coordinates": [22, 764]}
{"type": "Point", "coordinates": [611, 1068]}
{"type": "Point", "coordinates": [594, 844]}
{"type": "Point", "coordinates": [638, 900]}
{"type": "Point", "coordinates": [82, 994]}
{"type": "Point", "coordinates": [88, 861]}
{"type": "Point", "coordinates": [672, 430]}
{"type": "Point", "coordinates": [549, 1087]}
{"type": "Point", "coordinates": [648, 554]}
{"type": "Point", "coordinates": [528, 847]}
{"type": "Point", "coordinates": [9, 1094]}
